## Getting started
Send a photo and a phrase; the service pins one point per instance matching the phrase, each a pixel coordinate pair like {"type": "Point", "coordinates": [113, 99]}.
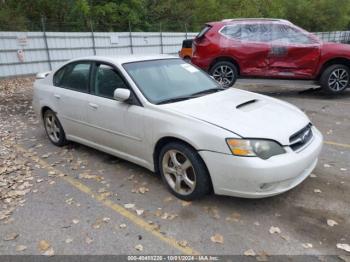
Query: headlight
{"type": "Point", "coordinates": [254, 147]}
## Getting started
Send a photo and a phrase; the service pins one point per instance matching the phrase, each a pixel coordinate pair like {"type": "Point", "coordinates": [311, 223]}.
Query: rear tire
{"type": "Point", "coordinates": [225, 73]}
{"type": "Point", "coordinates": [54, 129]}
{"type": "Point", "coordinates": [335, 79]}
{"type": "Point", "coordinates": [187, 59]}
{"type": "Point", "coordinates": [183, 171]}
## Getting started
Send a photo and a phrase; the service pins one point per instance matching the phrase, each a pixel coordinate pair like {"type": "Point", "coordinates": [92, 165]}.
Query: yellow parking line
{"type": "Point", "coordinates": [336, 144]}
{"type": "Point", "coordinates": [110, 204]}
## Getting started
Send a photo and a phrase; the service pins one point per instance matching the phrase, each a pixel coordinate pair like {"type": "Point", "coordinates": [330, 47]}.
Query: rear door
{"type": "Point", "coordinates": [249, 46]}
{"type": "Point", "coordinates": [294, 53]}
{"type": "Point", "coordinates": [71, 94]}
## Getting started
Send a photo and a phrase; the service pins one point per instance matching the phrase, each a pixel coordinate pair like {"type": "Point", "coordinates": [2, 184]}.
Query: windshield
{"type": "Point", "coordinates": [167, 79]}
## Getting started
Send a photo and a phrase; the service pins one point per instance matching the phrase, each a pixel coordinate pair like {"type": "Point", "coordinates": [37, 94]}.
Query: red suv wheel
{"type": "Point", "coordinates": [225, 73]}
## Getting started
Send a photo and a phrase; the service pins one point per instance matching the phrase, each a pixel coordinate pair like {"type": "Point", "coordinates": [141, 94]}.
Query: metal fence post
{"type": "Point", "coordinates": [93, 38]}
{"type": "Point", "coordinates": [186, 31]}
{"type": "Point", "coordinates": [161, 39]}
{"type": "Point", "coordinates": [130, 36]}
{"type": "Point", "coordinates": [45, 40]}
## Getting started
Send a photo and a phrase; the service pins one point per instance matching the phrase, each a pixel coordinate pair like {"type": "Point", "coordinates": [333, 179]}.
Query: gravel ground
{"type": "Point", "coordinates": [76, 200]}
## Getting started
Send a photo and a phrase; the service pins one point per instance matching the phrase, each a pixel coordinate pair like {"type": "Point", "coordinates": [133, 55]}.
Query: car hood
{"type": "Point", "coordinates": [246, 114]}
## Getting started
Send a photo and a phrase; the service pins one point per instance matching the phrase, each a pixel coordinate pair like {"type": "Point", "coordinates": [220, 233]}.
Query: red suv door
{"type": "Point", "coordinates": [248, 46]}
{"type": "Point", "coordinates": [293, 53]}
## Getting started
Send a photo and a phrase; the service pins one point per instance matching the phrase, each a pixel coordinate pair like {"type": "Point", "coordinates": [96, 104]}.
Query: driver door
{"type": "Point", "coordinates": [293, 54]}
{"type": "Point", "coordinates": [116, 126]}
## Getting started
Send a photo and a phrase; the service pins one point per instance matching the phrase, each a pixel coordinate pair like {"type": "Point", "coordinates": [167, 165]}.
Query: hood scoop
{"type": "Point", "coordinates": [249, 105]}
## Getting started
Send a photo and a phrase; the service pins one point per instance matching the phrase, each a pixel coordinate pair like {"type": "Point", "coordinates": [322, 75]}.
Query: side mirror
{"type": "Point", "coordinates": [121, 94]}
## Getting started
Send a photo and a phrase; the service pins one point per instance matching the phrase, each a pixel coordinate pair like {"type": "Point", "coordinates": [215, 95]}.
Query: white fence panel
{"type": "Point", "coordinates": [35, 56]}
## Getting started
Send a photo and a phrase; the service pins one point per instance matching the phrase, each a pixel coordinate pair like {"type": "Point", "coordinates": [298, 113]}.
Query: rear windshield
{"type": "Point", "coordinates": [204, 31]}
{"type": "Point", "coordinates": [187, 43]}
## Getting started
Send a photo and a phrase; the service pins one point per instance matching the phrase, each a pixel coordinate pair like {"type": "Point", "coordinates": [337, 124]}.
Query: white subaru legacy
{"type": "Point", "coordinates": [172, 118]}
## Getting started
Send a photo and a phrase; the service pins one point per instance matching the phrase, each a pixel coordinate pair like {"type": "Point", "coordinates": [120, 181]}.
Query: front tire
{"type": "Point", "coordinates": [183, 171]}
{"type": "Point", "coordinates": [54, 129]}
{"type": "Point", "coordinates": [335, 79]}
{"type": "Point", "coordinates": [225, 73]}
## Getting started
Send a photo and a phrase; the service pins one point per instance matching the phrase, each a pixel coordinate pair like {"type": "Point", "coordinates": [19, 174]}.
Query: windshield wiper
{"type": "Point", "coordinates": [181, 98]}
{"type": "Point", "coordinates": [208, 91]}
{"type": "Point", "coordinates": [175, 99]}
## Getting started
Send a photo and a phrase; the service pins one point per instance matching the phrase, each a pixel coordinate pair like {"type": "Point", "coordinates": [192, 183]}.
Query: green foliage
{"type": "Point", "coordinates": [166, 15]}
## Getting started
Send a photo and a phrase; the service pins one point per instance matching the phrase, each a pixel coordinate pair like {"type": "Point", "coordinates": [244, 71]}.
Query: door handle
{"type": "Point", "coordinates": [57, 96]}
{"type": "Point", "coordinates": [94, 106]}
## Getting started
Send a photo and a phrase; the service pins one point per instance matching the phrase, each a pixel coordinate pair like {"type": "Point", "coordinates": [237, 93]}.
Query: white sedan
{"type": "Point", "coordinates": [172, 118]}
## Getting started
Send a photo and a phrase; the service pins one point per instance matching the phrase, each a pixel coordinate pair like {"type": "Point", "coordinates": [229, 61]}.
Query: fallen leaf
{"type": "Point", "coordinates": [20, 248]}
{"type": "Point", "coordinates": [97, 224]}
{"type": "Point", "coordinates": [106, 219]}
{"type": "Point", "coordinates": [307, 245]}
{"type": "Point", "coordinates": [88, 176]}
{"type": "Point", "coordinates": [139, 247]}
{"type": "Point", "coordinates": [345, 247]}
{"type": "Point", "coordinates": [274, 230]}
{"type": "Point", "coordinates": [217, 238]}
{"type": "Point", "coordinates": [11, 236]}
{"type": "Point", "coordinates": [50, 252]}
{"type": "Point", "coordinates": [250, 252]}
{"type": "Point", "coordinates": [262, 256]}
{"type": "Point", "coordinates": [88, 240]}
{"type": "Point", "coordinates": [185, 203]}
{"type": "Point", "coordinates": [139, 212]}
{"type": "Point", "coordinates": [129, 206]}
{"type": "Point", "coordinates": [168, 199]}
{"type": "Point", "coordinates": [331, 222]}
{"type": "Point", "coordinates": [182, 243]}
{"type": "Point", "coordinates": [44, 245]}
{"type": "Point", "coordinates": [168, 216]}
{"type": "Point", "coordinates": [69, 240]}
{"type": "Point", "coordinates": [143, 190]}
{"type": "Point", "coordinates": [234, 217]}
{"type": "Point", "coordinates": [213, 211]}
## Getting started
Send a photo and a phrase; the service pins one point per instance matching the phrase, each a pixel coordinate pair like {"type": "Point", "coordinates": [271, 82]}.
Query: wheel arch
{"type": "Point", "coordinates": [166, 140]}
{"type": "Point", "coordinates": [333, 61]}
{"type": "Point", "coordinates": [225, 59]}
{"type": "Point", "coordinates": [43, 110]}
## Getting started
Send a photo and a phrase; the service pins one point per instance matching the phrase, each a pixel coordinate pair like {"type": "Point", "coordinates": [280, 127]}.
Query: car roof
{"type": "Point", "coordinates": [125, 58]}
{"type": "Point", "coordinates": [250, 20]}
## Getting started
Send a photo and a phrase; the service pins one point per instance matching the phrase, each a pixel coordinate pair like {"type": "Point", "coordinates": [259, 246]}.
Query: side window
{"type": "Point", "coordinates": [289, 35]}
{"type": "Point", "coordinates": [106, 81]}
{"type": "Point", "coordinates": [251, 32]}
{"type": "Point", "coordinates": [232, 31]}
{"type": "Point", "coordinates": [76, 77]}
{"type": "Point", "coordinates": [57, 78]}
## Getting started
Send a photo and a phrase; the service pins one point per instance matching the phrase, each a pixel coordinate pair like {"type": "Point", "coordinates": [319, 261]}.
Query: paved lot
{"type": "Point", "coordinates": [76, 200]}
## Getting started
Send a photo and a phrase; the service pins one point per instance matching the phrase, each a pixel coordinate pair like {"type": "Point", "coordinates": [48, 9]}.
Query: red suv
{"type": "Point", "coordinates": [270, 48]}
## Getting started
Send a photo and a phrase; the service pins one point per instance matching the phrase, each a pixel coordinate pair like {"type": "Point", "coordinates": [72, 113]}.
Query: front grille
{"type": "Point", "coordinates": [301, 138]}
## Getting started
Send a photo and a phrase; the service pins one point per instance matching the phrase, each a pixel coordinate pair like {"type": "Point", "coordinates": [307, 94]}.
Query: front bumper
{"type": "Point", "coordinates": [253, 177]}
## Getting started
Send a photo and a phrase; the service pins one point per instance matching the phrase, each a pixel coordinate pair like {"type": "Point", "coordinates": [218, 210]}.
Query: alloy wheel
{"type": "Point", "coordinates": [338, 79]}
{"type": "Point", "coordinates": [224, 75]}
{"type": "Point", "coordinates": [179, 172]}
{"type": "Point", "coordinates": [52, 127]}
